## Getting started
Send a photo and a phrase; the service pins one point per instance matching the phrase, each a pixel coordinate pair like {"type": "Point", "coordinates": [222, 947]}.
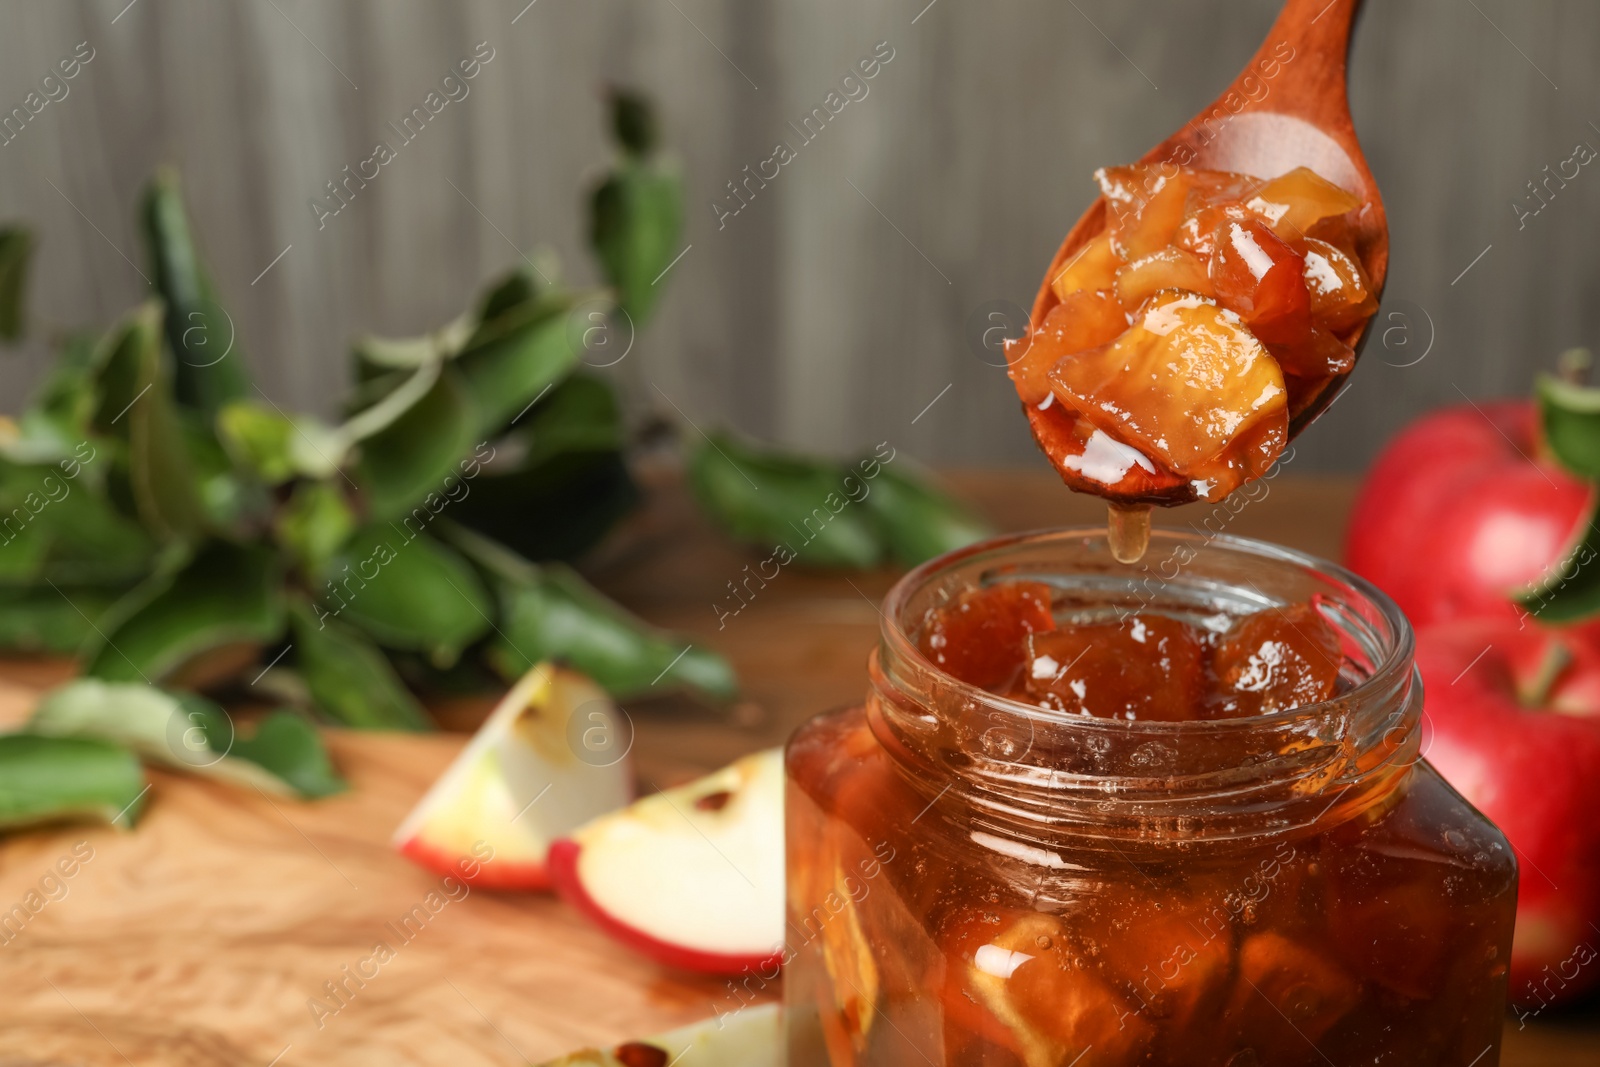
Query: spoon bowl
{"type": "Point", "coordinates": [1288, 108]}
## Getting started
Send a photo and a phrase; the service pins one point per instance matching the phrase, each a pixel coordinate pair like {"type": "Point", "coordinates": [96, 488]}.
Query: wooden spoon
{"type": "Point", "coordinates": [1288, 108]}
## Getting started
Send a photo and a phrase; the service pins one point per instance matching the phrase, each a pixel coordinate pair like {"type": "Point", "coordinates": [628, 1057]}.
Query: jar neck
{"type": "Point", "coordinates": [1037, 773]}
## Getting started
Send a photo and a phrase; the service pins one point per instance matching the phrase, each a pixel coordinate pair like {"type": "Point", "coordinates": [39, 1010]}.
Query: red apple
{"type": "Point", "coordinates": [748, 1037]}
{"type": "Point", "coordinates": [692, 876]}
{"type": "Point", "coordinates": [519, 784]}
{"type": "Point", "coordinates": [1461, 510]}
{"type": "Point", "coordinates": [1514, 714]}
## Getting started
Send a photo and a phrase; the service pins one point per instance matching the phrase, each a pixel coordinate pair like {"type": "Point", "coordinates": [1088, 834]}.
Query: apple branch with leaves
{"type": "Point", "coordinates": [222, 552]}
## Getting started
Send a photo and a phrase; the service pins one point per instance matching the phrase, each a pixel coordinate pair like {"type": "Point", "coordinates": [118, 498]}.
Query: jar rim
{"type": "Point", "coordinates": [1397, 659]}
{"type": "Point", "coordinates": [1154, 780]}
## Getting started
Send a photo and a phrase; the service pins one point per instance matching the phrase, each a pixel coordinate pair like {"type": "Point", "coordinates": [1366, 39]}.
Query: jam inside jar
{"type": "Point", "coordinates": [983, 879]}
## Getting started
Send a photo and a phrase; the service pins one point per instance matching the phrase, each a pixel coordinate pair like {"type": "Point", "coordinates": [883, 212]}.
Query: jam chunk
{"type": "Point", "coordinates": [1257, 274]}
{"type": "Point", "coordinates": [1200, 229]}
{"type": "Point", "coordinates": [1276, 660]}
{"type": "Point", "coordinates": [980, 636]}
{"type": "Point", "coordinates": [1087, 318]}
{"type": "Point", "coordinates": [1187, 385]}
{"type": "Point", "coordinates": [1145, 206]}
{"type": "Point", "coordinates": [1144, 667]}
{"type": "Point", "coordinates": [1314, 360]}
{"type": "Point", "coordinates": [1166, 268]}
{"type": "Point", "coordinates": [1208, 188]}
{"type": "Point", "coordinates": [1341, 296]}
{"type": "Point", "coordinates": [1172, 953]}
{"type": "Point", "coordinates": [1025, 973]}
{"type": "Point", "coordinates": [1094, 267]}
{"type": "Point", "coordinates": [1295, 202]}
{"type": "Point", "coordinates": [1288, 996]}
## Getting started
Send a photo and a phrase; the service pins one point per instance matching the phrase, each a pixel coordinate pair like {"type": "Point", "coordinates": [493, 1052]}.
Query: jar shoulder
{"type": "Point", "coordinates": [1432, 824]}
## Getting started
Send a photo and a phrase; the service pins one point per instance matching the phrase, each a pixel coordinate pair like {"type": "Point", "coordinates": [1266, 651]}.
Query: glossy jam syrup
{"type": "Point", "coordinates": [1128, 531]}
{"type": "Point", "coordinates": [931, 927]}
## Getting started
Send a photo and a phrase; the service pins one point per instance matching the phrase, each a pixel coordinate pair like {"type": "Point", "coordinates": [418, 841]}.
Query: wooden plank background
{"type": "Point", "coordinates": [834, 307]}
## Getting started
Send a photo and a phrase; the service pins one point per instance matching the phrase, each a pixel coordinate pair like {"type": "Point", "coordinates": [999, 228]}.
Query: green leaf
{"type": "Point", "coordinates": [349, 678]}
{"type": "Point", "coordinates": [287, 746]}
{"type": "Point", "coordinates": [635, 220]}
{"type": "Point", "coordinates": [227, 594]}
{"type": "Point", "coordinates": [136, 404]}
{"type": "Point", "coordinates": [418, 428]}
{"type": "Point", "coordinates": [55, 425]}
{"type": "Point", "coordinates": [55, 779]}
{"type": "Point", "coordinates": [590, 491]}
{"type": "Point", "coordinates": [561, 617]}
{"type": "Point", "coordinates": [515, 288]}
{"type": "Point", "coordinates": [1569, 591]}
{"type": "Point", "coordinates": [16, 249]}
{"type": "Point", "coordinates": [277, 447]}
{"type": "Point", "coordinates": [383, 414]}
{"type": "Point", "coordinates": [414, 455]}
{"type": "Point", "coordinates": [259, 439]}
{"type": "Point", "coordinates": [232, 501]}
{"type": "Point", "coordinates": [916, 520]}
{"type": "Point", "coordinates": [210, 366]}
{"type": "Point", "coordinates": [768, 499]}
{"type": "Point", "coordinates": [565, 454]}
{"type": "Point", "coordinates": [55, 525]}
{"type": "Point", "coordinates": [549, 612]}
{"type": "Point", "coordinates": [513, 359]}
{"type": "Point", "coordinates": [313, 524]}
{"type": "Point", "coordinates": [405, 352]}
{"type": "Point", "coordinates": [157, 578]}
{"type": "Point", "coordinates": [24, 538]}
{"type": "Point", "coordinates": [41, 437]}
{"type": "Point", "coordinates": [1570, 415]}
{"type": "Point", "coordinates": [408, 591]}
{"type": "Point", "coordinates": [92, 543]}
{"type": "Point", "coordinates": [633, 121]}
{"type": "Point", "coordinates": [189, 733]}
{"type": "Point", "coordinates": [45, 620]}
{"type": "Point", "coordinates": [579, 415]}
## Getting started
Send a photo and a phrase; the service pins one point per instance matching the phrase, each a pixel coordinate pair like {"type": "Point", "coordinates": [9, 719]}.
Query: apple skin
{"type": "Point", "coordinates": [563, 868]}
{"type": "Point", "coordinates": [497, 876]}
{"type": "Point", "coordinates": [487, 795]}
{"type": "Point", "coordinates": [1535, 772]}
{"type": "Point", "coordinates": [692, 876]}
{"type": "Point", "coordinates": [1457, 513]}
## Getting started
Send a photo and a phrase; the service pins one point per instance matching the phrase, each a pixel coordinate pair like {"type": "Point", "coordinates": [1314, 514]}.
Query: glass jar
{"type": "Point", "coordinates": [974, 880]}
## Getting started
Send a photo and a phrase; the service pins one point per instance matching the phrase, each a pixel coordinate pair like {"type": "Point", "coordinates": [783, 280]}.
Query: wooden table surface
{"type": "Point", "coordinates": [204, 936]}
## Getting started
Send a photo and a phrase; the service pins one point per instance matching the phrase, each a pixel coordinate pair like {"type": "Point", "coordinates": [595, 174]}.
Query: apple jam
{"type": "Point", "coordinates": [1088, 817]}
{"type": "Point", "coordinates": [1180, 348]}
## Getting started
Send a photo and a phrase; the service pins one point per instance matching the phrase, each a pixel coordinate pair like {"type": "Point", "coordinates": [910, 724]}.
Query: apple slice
{"type": "Point", "coordinates": [749, 1037]}
{"type": "Point", "coordinates": [691, 877]}
{"type": "Point", "coordinates": [526, 777]}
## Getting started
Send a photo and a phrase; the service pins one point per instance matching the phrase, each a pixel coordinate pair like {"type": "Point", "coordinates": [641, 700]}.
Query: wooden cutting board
{"type": "Point", "coordinates": [204, 936]}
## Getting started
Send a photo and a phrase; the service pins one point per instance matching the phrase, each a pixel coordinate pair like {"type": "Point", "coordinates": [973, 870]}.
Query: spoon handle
{"type": "Point", "coordinates": [1309, 45]}
{"type": "Point", "coordinates": [1319, 24]}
